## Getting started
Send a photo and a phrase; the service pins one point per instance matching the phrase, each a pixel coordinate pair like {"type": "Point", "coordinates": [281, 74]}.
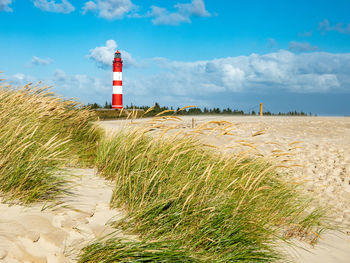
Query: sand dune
{"type": "Point", "coordinates": [31, 234]}
{"type": "Point", "coordinates": [55, 234]}
{"type": "Point", "coordinates": [319, 145]}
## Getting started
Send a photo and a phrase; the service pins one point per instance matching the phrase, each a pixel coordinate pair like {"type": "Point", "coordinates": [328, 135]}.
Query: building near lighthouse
{"type": "Point", "coordinates": [117, 96]}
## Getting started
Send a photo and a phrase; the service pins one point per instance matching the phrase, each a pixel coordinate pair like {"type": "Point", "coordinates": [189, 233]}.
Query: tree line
{"type": "Point", "coordinates": [198, 111]}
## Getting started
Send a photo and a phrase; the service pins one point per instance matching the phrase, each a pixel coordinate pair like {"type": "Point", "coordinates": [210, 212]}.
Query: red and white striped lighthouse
{"type": "Point", "coordinates": [117, 96]}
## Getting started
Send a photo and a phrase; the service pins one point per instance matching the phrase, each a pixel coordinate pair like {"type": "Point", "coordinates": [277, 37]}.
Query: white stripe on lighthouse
{"type": "Point", "coordinates": [117, 76]}
{"type": "Point", "coordinates": [117, 90]}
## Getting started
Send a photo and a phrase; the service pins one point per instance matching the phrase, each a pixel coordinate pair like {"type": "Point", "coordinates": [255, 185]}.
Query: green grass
{"type": "Point", "coordinates": [117, 250]}
{"type": "Point", "coordinates": [39, 134]}
{"type": "Point", "coordinates": [221, 208]}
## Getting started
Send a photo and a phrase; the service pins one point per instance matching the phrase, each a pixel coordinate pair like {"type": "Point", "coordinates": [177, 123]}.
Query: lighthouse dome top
{"type": "Point", "coordinates": [117, 54]}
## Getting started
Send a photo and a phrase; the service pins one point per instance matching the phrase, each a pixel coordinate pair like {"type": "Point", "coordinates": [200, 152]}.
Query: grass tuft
{"type": "Point", "coordinates": [117, 250]}
{"type": "Point", "coordinates": [221, 209]}
{"type": "Point", "coordinates": [39, 134]}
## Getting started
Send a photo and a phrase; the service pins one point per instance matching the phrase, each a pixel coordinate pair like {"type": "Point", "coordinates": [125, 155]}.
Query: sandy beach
{"type": "Point", "coordinates": [318, 150]}
{"type": "Point", "coordinates": [319, 160]}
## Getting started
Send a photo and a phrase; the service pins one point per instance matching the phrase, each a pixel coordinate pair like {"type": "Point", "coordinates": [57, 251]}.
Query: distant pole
{"type": "Point", "coordinates": [261, 109]}
{"type": "Point", "coordinates": [117, 96]}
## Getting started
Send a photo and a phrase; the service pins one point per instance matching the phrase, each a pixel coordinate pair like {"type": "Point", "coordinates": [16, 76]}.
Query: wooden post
{"type": "Point", "coordinates": [261, 109]}
{"type": "Point", "coordinates": [192, 123]}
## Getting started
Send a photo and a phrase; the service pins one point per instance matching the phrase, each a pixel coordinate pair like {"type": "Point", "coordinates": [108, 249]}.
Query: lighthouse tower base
{"type": "Point", "coordinates": [117, 101]}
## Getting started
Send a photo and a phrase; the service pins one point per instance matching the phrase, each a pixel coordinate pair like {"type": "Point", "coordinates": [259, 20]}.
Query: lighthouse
{"type": "Point", "coordinates": [117, 96]}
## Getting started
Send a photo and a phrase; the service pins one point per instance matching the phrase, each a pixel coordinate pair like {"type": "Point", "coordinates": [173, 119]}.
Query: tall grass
{"type": "Point", "coordinates": [220, 208]}
{"type": "Point", "coordinates": [186, 202]}
{"type": "Point", "coordinates": [39, 134]}
{"type": "Point", "coordinates": [118, 250]}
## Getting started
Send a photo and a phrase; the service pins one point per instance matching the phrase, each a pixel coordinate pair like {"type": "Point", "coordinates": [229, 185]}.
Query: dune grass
{"type": "Point", "coordinates": [118, 250]}
{"type": "Point", "coordinates": [186, 202]}
{"type": "Point", "coordinates": [218, 208]}
{"type": "Point", "coordinates": [39, 134]}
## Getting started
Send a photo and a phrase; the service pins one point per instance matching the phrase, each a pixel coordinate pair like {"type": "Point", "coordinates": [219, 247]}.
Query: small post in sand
{"type": "Point", "coordinates": [261, 109]}
{"type": "Point", "coordinates": [192, 123]}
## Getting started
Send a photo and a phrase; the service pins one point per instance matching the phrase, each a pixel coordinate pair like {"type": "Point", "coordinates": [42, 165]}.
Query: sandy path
{"type": "Point", "coordinates": [323, 151]}
{"type": "Point", "coordinates": [30, 234]}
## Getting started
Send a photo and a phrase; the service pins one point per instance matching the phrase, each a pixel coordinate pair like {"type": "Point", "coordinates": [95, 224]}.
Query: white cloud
{"type": "Point", "coordinates": [103, 56]}
{"type": "Point", "coordinates": [109, 9]}
{"type": "Point", "coordinates": [36, 61]}
{"type": "Point", "coordinates": [164, 17]}
{"type": "Point", "coordinates": [89, 6]}
{"type": "Point", "coordinates": [81, 86]}
{"type": "Point", "coordinates": [129, 61]}
{"type": "Point", "coordinates": [117, 9]}
{"type": "Point", "coordinates": [232, 77]}
{"type": "Point", "coordinates": [183, 13]}
{"type": "Point", "coordinates": [203, 82]}
{"type": "Point", "coordinates": [20, 79]}
{"type": "Point", "coordinates": [62, 6]}
{"type": "Point", "coordinates": [276, 72]}
{"type": "Point", "coordinates": [301, 46]}
{"type": "Point", "coordinates": [196, 8]}
{"type": "Point", "coordinates": [325, 26]}
{"type": "Point", "coordinates": [4, 5]}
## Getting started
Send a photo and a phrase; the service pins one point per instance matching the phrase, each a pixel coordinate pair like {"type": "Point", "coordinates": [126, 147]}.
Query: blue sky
{"type": "Point", "coordinates": [290, 55]}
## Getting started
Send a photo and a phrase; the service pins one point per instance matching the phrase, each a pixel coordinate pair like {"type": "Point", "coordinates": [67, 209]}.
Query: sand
{"type": "Point", "coordinates": [319, 161]}
{"type": "Point", "coordinates": [318, 157]}
{"type": "Point", "coordinates": [56, 234]}
{"type": "Point", "coordinates": [319, 145]}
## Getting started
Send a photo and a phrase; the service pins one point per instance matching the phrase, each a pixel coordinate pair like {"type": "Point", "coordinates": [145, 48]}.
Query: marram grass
{"type": "Point", "coordinates": [39, 134]}
{"type": "Point", "coordinates": [186, 202]}
{"type": "Point", "coordinates": [117, 250]}
{"type": "Point", "coordinates": [218, 208]}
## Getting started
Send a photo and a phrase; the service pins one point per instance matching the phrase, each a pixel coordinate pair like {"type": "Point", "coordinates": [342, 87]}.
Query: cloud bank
{"type": "Point", "coordinates": [273, 75]}
{"type": "Point", "coordinates": [81, 86]}
{"type": "Point", "coordinates": [277, 72]}
{"type": "Point", "coordinates": [63, 6]}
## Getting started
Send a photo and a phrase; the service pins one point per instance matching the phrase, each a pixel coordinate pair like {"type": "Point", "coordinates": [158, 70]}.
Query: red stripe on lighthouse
{"type": "Point", "coordinates": [117, 83]}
